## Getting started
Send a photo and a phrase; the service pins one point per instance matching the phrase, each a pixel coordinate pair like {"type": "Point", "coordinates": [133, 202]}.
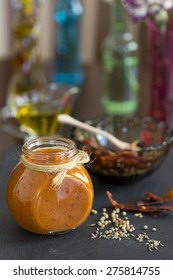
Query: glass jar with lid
{"type": "Point", "coordinates": [50, 191]}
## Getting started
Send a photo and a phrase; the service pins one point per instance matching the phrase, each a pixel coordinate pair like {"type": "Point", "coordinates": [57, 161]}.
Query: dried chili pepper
{"type": "Point", "coordinates": [168, 195]}
{"type": "Point", "coordinates": [153, 198]}
{"type": "Point", "coordinates": [145, 207]}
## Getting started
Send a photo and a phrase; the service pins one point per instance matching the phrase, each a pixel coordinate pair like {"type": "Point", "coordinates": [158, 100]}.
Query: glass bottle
{"type": "Point", "coordinates": [28, 82]}
{"type": "Point", "coordinates": [160, 43]}
{"type": "Point", "coordinates": [67, 54]}
{"type": "Point", "coordinates": [120, 66]}
{"type": "Point", "coordinates": [50, 191]}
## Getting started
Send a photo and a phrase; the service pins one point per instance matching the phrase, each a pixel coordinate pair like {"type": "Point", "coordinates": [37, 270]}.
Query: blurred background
{"type": "Point", "coordinates": [94, 27]}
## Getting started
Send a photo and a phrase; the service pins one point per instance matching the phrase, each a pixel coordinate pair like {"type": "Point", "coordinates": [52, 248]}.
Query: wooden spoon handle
{"type": "Point", "coordinates": [66, 119]}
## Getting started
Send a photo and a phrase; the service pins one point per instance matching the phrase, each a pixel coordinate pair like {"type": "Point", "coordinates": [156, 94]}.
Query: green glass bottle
{"type": "Point", "coordinates": [120, 63]}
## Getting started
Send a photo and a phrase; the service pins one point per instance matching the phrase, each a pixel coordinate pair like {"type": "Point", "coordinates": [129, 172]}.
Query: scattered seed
{"type": "Point", "coordinates": [93, 211]}
{"type": "Point", "coordinates": [138, 215]}
{"type": "Point", "coordinates": [116, 225]}
{"type": "Point", "coordinates": [91, 225]}
{"type": "Point", "coordinates": [153, 244]}
{"type": "Point", "coordinates": [145, 227]}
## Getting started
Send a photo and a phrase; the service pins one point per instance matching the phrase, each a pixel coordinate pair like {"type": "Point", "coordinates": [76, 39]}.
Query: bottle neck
{"type": "Point", "coordinates": [118, 17]}
{"type": "Point", "coordinates": [76, 4]}
{"type": "Point", "coordinates": [68, 11]}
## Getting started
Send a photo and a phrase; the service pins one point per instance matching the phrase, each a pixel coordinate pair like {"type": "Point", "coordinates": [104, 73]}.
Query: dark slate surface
{"type": "Point", "coordinates": [16, 243]}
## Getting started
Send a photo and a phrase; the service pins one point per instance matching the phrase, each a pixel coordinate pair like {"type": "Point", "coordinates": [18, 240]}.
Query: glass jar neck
{"type": "Point", "coordinates": [49, 150]}
{"type": "Point", "coordinates": [118, 17]}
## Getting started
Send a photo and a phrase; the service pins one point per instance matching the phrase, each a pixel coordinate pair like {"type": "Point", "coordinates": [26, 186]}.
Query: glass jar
{"type": "Point", "coordinates": [50, 191]}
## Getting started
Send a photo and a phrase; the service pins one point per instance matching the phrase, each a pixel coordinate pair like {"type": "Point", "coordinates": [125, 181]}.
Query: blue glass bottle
{"type": "Point", "coordinates": [67, 57]}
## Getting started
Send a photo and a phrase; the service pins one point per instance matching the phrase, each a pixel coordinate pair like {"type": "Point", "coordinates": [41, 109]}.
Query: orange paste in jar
{"type": "Point", "coordinates": [42, 207]}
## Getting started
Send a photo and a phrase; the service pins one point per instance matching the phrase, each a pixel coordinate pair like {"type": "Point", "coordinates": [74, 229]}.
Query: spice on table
{"type": "Point", "coordinates": [124, 213]}
{"type": "Point", "coordinates": [153, 244]}
{"type": "Point", "coordinates": [111, 226]}
{"type": "Point", "coordinates": [138, 215]}
{"type": "Point", "coordinates": [142, 206]}
{"type": "Point", "coordinates": [141, 237]}
{"type": "Point", "coordinates": [93, 211]}
{"type": "Point", "coordinates": [145, 227]}
{"type": "Point", "coordinates": [153, 198]}
{"type": "Point", "coordinates": [116, 225]}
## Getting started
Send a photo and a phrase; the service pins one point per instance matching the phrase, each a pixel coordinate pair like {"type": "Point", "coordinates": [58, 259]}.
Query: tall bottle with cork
{"type": "Point", "coordinates": [120, 63]}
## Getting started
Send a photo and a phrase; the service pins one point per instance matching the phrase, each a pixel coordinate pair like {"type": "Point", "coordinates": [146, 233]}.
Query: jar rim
{"type": "Point", "coordinates": [66, 146]}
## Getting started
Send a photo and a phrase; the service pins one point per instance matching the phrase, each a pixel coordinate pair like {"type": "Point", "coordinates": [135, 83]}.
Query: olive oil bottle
{"type": "Point", "coordinates": [37, 122]}
{"type": "Point", "coordinates": [39, 119]}
{"type": "Point", "coordinates": [28, 82]}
